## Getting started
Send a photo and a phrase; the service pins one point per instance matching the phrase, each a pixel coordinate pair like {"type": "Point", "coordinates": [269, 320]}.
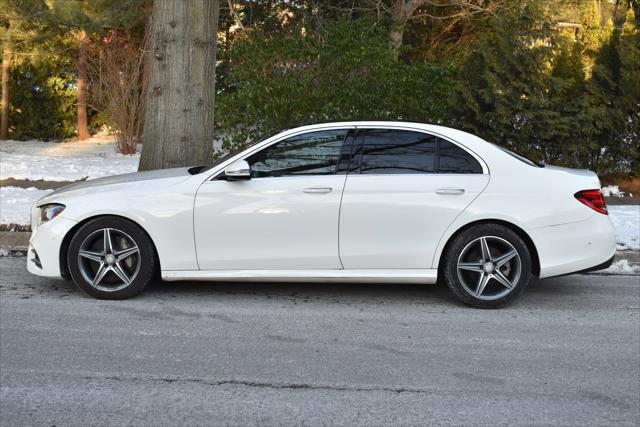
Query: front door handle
{"type": "Point", "coordinates": [318, 190]}
{"type": "Point", "coordinates": [450, 191]}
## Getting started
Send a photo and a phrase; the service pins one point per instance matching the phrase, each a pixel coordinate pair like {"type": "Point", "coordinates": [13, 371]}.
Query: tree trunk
{"type": "Point", "coordinates": [4, 121]}
{"type": "Point", "coordinates": [401, 12]}
{"type": "Point", "coordinates": [83, 127]}
{"type": "Point", "coordinates": [178, 126]}
{"type": "Point", "coordinates": [397, 26]}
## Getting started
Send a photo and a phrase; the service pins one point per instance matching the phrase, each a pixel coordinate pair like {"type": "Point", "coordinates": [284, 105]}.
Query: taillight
{"type": "Point", "coordinates": [594, 199]}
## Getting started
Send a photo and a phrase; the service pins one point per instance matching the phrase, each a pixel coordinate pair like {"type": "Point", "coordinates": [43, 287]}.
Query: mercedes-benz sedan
{"type": "Point", "coordinates": [354, 201]}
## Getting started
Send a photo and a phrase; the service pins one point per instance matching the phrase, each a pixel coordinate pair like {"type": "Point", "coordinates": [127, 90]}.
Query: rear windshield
{"type": "Point", "coordinates": [521, 158]}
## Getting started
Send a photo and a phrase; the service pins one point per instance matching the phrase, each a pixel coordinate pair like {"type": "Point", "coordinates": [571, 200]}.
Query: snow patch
{"type": "Point", "coordinates": [622, 266]}
{"type": "Point", "coordinates": [614, 191]}
{"type": "Point", "coordinates": [64, 161]}
{"type": "Point", "coordinates": [626, 222]}
{"type": "Point", "coordinates": [15, 204]}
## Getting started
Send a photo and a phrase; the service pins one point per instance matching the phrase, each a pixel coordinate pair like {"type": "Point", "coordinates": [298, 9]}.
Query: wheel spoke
{"type": "Point", "coordinates": [108, 245]}
{"type": "Point", "coordinates": [117, 268]}
{"type": "Point", "coordinates": [102, 270]}
{"type": "Point", "coordinates": [471, 266]}
{"type": "Point", "coordinates": [503, 259]}
{"type": "Point", "coordinates": [482, 283]}
{"type": "Point", "coordinates": [486, 254]}
{"type": "Point", "coordinates": [126, 253]}
{"type": "Point", "coordinates": [502, 279]}
{"type": "Point", "coordinates": [93, 256]}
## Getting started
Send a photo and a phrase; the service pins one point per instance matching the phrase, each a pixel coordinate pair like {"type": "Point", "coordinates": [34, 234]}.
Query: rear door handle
{"type": "Point", "coordinates": [318, 190]}
{"type": "Point", "coordinates": [450, 191]}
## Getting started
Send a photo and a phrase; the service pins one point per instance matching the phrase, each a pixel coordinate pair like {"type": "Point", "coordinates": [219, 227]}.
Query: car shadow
{"type": "Point", "coordinates": [548, 293]}
{"type": "Point", "coordinates": [299, 293]}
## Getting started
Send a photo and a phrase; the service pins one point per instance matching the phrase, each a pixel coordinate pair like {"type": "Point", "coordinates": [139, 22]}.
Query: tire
{"type": "Point", "coordinates": [480, 280]}
{"type": "Point", "coordinates": [123, 257]}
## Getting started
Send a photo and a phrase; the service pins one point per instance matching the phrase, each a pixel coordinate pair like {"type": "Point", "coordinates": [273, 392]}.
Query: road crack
{"type": "Point", "coordinates": [259, 384]}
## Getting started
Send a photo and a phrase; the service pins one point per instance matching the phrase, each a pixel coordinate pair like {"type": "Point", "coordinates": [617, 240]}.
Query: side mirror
{"type": "Point", "coordinates": [238, 170]}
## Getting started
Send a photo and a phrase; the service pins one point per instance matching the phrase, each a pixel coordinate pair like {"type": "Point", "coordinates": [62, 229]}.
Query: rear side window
{"type": "Point", "coordinates": [453, 159]}
{"type": "Point", "coordinates": [313, 153]}
{"type": "Point", "coordinates": [390, 151]}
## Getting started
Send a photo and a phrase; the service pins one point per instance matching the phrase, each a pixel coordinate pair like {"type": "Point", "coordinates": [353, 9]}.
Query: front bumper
{"type": "Point", "coordinates": [43, 258]}
{"type": "Point", "coordinates": [575, 247]}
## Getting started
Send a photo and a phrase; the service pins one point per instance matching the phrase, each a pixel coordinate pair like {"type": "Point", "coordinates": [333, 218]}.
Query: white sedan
{"type": "Point", "coordinates": [354, 201]}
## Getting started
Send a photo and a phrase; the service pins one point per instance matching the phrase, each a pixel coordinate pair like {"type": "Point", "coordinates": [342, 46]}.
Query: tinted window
{"type": "Point", "coordinates": [313, 153]}
{"type": "Point", "coordinates": [453, 159]}
{"type": "Point", "coordinates": [388, 151]}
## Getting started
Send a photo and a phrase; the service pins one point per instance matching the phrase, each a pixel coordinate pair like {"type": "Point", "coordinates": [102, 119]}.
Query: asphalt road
{"type": "Point", "coordinates": [567, 352]}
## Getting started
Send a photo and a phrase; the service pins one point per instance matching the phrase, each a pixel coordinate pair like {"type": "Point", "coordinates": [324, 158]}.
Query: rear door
{"type": "Point", "coordinates": [403, 189]}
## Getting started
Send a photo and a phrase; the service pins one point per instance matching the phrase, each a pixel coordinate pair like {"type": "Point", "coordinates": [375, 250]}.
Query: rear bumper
{"type": "Point", "coordinates": [43, 257]}
{"type": "Point", "coordinates": [576, 247]}
{"type": "Point", "coordinates": [598, 267]}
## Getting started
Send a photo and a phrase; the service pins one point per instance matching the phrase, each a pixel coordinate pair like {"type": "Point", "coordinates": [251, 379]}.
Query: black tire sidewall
{"type": "Point", "coordinates": [467, 236]}
{"type": "Point", "coordinates": [147, 256]}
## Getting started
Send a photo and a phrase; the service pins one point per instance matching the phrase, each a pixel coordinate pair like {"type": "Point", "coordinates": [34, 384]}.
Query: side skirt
{"type": "Point", "coordinates": [345, 276]}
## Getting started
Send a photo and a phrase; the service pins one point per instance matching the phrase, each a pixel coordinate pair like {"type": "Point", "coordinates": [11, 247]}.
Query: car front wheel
{"type": "Point", "coordinates": [487, 266]}
{"type": "Point", "coordinates": [111, 258]}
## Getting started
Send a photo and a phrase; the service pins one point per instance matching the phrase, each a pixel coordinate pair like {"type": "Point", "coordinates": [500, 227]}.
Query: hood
{"type": "Point", "coordinates": [121, 179]}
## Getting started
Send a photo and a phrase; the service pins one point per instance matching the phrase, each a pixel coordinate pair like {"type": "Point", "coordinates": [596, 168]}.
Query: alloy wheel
{"type": "Point", "coordinates": [489, 268]}
{"type": "Point", "coordinates": [109, 259]}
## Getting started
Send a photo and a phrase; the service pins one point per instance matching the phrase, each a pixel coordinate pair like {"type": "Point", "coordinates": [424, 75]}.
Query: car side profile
{"type": "Point", "coordinates": [389, 202]}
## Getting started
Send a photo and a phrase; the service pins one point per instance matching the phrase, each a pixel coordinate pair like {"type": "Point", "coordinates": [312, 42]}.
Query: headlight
{"type": "Point", "coordinates": [50, 211]}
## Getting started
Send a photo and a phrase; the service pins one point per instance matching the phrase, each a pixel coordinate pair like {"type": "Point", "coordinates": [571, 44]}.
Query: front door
{"type": "Point", "coordinates": [284, 218]}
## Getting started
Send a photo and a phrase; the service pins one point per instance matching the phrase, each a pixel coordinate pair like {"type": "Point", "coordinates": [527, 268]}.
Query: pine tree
{"type": "Point", "coordinates": [503, 92]}
{"type": "Point", "coordinates": [23, 27]}
{"type": "Point", "coordinates": [72, 20]}
{"type": "Point", "coordinates": [629, 102]}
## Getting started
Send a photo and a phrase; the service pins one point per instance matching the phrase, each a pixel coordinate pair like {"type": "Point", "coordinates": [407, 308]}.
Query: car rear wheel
{"type": "Point", "coordinates": [111, 258]}
{"type": "Point", "coordinates": [487, 266]}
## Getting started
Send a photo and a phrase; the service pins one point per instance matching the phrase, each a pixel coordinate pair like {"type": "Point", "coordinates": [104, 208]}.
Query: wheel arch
{"type": "Point", "coordinates": [66, 241]}
{"type": "Point", "coordinates": [519, 231]}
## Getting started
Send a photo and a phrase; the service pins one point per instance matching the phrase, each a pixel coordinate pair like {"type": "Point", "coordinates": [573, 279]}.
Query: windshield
{"type": "Point", "coordinates": [521, 158]}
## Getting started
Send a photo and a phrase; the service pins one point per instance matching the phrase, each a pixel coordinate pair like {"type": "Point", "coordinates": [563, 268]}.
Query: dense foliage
{"type": "Point", "coordinates": [526, 87]}
{"type": "Point", "coordinates": [43, 99]}
{"type": "Point", "coordinates": [554, 94]}
{"type": "Point", "coordinates": [557, 80]}
{"type": "Point", "coordinates": [347, 73]}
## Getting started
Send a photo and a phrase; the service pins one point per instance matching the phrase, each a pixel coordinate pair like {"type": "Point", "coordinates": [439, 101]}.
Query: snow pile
{"type": "Point", "coordinates": [621, 267]}
{"type": "Point", "coordinates": [626, 221]}
{"type": "Point", "coordinates": [613, 191]}
{"type": "Point", "coordinates": [64, 161]}
{"type": "Point", "coordinates": [15, 204]}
